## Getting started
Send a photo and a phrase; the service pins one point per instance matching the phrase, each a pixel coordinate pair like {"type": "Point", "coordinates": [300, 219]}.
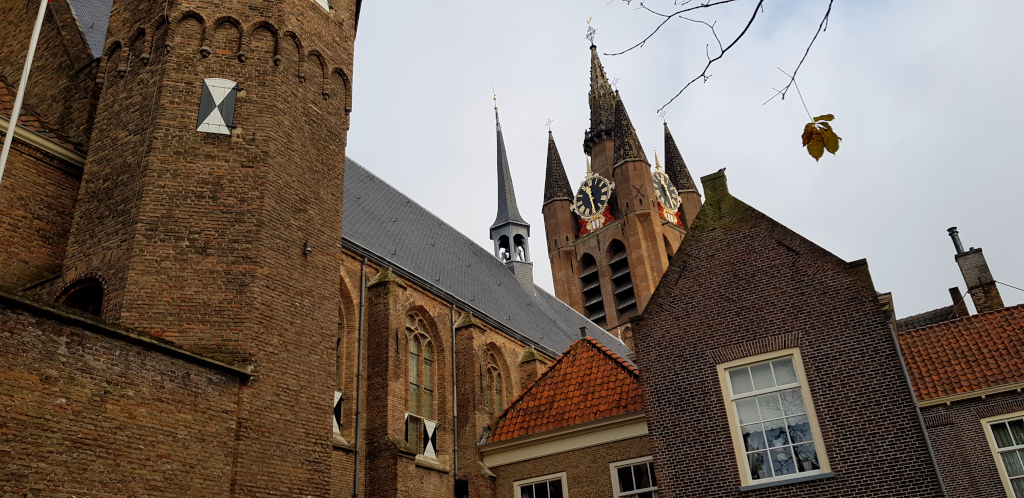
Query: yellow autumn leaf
{"type": "Point", "coordinates": [825, 117]}
{"type": "Point", "coordinates": [808, 132]}
{"type": "Point", "coordinates": [831, 141]}
{"type": "Point", "coordinates": [816, 147]}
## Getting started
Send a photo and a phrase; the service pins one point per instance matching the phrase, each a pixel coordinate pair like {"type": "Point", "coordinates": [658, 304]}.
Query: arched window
{"type": "Point", "coordinates": [493, 389]}
{"type": "Point", "coordinates": [590, 282]}
{"type": "Point", "coordinates": [625, 299]}
{"type": "Point", "coordinates": [85, 295]}
{"type": "Point", "coordinates": [421, 369]}
{"type": "Point", "coordinates": [504, 250]}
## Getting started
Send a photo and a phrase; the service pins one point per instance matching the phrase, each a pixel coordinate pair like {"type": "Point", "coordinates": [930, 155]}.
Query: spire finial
{"type": "Point", "coordinates": [657, 162]}
{"type": "Point", "coordinates": [548, 124]}
{"type": "Point", "coordinates": [590, 32]}
{"type": "Point", "coordinates": [662, 113]}
{"type": "Point", "coordinates": [495, 99]}
{"type": "Point", "coordinates": [589, 170]}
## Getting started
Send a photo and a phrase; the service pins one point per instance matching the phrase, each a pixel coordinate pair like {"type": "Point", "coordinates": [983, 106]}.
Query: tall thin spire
{"type": "Point", "coordinates": [627, 145]}
{"type": "Point", "coordinates": [508, 211]}
{"type": "Point", "coordinates": [556, 183]}
{"type": "Point", "coordinates": [602, 98]}
{"type": "Point", "coordinates": [675, 167]}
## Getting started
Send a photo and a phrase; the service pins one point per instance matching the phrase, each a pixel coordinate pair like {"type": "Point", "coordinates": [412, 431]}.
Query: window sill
{"type": "Point", "coordinates": [428, 463]}
{"type": "Point", "coordinates": [340, 443]}
{"type": "Point", "coordinates": [784, 482]}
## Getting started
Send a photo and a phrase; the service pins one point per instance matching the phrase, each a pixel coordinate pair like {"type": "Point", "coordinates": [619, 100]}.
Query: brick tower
{"type": "Point", "coordinates": [606, 263]}
{"type": "Point", "coordinates": [210, 207]}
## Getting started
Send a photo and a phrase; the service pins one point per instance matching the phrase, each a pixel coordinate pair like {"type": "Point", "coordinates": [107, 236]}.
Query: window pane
{"type": "Point", "coordinates": [775, 432]}
{"type": "Point", "coordinates": [741, 382]}
{"type": "Point", "coordinates": [555, 489]}
{"type": "Point", "coordinates": [792, 402]}
{"type": "Point", "coordinates": [1002, 435]}
{"type": "Point", "coordinates": [753, 437]}
{"type": "Point", "coordinates": [625, 479]}
{"type": "Point", "coordinates": [642, 477]}
{"type": "Point", "coordinates": [650, 468]}
{"type": "Point", "coordinates": [782, 461]}
{"type": "Point", "coordinates": [487, 394]}
{"type": "Point", "coordinates": [1012, 464]}
{"type": "Point", "coordinates": [785, 373]}
{"type": "Point", "coordinates": [806, 457]}
{"type": "Point", "coordinates": [758, 463]}
{"type": "Point", "coordinates": [799, 429]}
{"type": "Point", "coordinates": [428, 404]}
{"type": "Point", "coordinates": [746, 410]}
{"type": "Point", "coordinates": [428, 373]}
{"type": "Point", "coordinates": [762, 375]}
{"type": "Point", "coordinates": [541, 490]}
{"type": "Point", "coordinates": [770, 406]}
{"type": "Point", "coordinates": [1017, 430]}
{"type": "Point", "coordinates": [414, 399]}
{"type": "Point", "coordinates": [526, 491]}
{"type": "Point", "coordinates": [1018, 488]}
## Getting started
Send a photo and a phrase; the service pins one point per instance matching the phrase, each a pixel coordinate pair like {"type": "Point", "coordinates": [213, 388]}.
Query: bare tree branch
{"type": "Point", "coordinates": [668, 17]}
{"type": "Point", "coordinates": [823, 26]}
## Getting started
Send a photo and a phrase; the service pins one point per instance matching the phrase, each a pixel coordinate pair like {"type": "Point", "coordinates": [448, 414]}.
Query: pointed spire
{"type": "Point", "coordinates": [508, 211]}
{"type": "Point", "coordinates": [675, 168]}
{"type": "Point", "coordinates": [556, 183]}
{"type": "Point", "coordinates": [627, 145]}
{"type": "Point", "coordinates": [602, 98]}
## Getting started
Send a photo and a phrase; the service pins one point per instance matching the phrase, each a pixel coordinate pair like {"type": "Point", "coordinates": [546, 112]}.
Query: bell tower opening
{"type": "Point", "coordinates": [590, 282]}
{"type": "Point", "coordinates": [625, 299]}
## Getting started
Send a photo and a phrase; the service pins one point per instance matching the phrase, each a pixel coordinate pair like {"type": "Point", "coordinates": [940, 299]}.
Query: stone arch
{"type": "Point", "coordinates": [289, 55]}
{"type": "Point", "coordinates": [112, 62]}
{"type": "Point", "coordinates": [496, 387]}
{"type": "Point", "coordinates": [85, 294]}
{"type": "Point", "coordinates": [317, 72]}
{"type": "Point", "coordinates": [343, 83]}
{"type": "Point", "coordinates": [188, 31]}
{"type": "Point", "coordinates": [138, 49]}
{"type": "Point", "coordinates": [261, 41]}
{"type": "Point", "coordinates": [158, 44]}
{"type": "Point", "coordinates": [423, 366]}
{"type": "Point", "coordinates": [227, 36]}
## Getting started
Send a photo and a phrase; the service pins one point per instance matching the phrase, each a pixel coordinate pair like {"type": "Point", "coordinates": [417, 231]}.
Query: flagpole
{"type": "Point", "coordinates": [15, 113]}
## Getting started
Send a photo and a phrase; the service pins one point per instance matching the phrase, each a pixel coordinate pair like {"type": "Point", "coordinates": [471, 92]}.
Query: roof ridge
{"type": "Point", "coordinates": [613, 355]}
{"type": "Point", "coordinates": [1003, 310]}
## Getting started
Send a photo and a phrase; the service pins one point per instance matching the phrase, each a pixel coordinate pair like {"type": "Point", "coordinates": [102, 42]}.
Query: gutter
{"type": "Point", "coordinates": [359, 377]}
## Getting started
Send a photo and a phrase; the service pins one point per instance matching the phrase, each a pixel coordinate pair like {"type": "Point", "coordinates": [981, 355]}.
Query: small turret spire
{"type": "Point", "coordinates": [627, 145]}
{"type": "Point", "coordinates": [602, 97]}
{"type": "Point", "coordinates": [508, 211]}
{"type": "Point", "coordinates": [556, 183]}
{"type": "Point", "coordinates": [675, 167]}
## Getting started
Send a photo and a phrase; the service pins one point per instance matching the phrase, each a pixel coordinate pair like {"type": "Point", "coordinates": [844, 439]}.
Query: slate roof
{"type": "Point", "coordinates": [627, 145]}
{"type": "Point", "coordinates": [508, 211]}
{"type": "Point", "coordinates": [93, 17]}
{"type": "Point", "coordinates": [29, 120]}
{"type": "Point", "coordinates": [391, 229]}
{"type": "Point", "coordinates": [966, 354]}
{"type": "Point", "coordinates": [675, 167]}
{"type": "Point", "coordinates": [587, 382]}
{"type": "Point", "coordinates": [556, 183]}
{"type": "Point", "coordinates": [927, 318]}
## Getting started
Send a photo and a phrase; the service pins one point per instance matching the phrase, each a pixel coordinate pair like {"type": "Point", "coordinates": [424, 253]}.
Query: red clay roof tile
{"type": "Point", "coordinates": [587, 382]}
{"type": "Point", "coordinates": [966, 354]}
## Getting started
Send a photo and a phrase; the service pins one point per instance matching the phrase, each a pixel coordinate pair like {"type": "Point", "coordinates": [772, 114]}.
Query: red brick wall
{"type": "Point", "coordinates": [959, 438]}
{"type": "Point", "coordinates": [587, 470]}
{"type": "Point", "coordinates": [62, 83]}
{"type": "Point", "coordinates": [739, 278]}
{"type": "Point", "coordinates": [37, 202]}
{"type": "Point", "coordinates": [90, 415]}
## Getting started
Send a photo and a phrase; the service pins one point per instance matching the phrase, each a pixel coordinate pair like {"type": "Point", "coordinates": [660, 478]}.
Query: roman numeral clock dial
{"type": "Point", "coordinates": [591, 201]}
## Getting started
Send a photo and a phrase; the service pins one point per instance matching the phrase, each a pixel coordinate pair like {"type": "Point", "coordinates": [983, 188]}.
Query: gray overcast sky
{"type": "Point", "coordinates": [928, 97]}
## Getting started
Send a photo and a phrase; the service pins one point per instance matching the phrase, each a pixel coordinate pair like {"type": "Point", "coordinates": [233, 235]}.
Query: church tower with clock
{"type": "Point", "coordinates": [610, 240]}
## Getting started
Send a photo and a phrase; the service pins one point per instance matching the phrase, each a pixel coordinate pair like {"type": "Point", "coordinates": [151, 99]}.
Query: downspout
{"type": "Point", "coordinates": [455, 404]}
{"type": "Point", "coordinates": [890, 317]}
{"type": "Point", "coordinates": [359, 376]}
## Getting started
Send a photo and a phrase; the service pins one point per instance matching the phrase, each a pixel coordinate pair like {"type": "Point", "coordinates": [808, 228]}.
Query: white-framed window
{"type": "Point", "coordinates": [1005, 435]}
{"type": "Point", "coordinates": [634, 479]}
{"type": "Point", "coordinates": [774, 429]}
{"type": "Point", "coordinates": [549, 486]}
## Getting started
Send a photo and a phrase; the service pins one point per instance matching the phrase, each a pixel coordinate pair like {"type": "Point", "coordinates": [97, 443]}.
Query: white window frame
{"type": "Point", "coordinates": [614, 468]}
{"type": "Point", "coordinates": [986, 424]}
{"type": "Point", "coordinates": [734, 426]}
{"type": "Point", "coordinates": [326, 4]}
{"type": "Point", "coordinates": [534, 480]}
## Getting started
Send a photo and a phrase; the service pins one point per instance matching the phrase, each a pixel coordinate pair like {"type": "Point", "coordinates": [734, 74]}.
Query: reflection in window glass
{"type": "Point", "coordinates": [636, 481]}
{"type": "Point", "coordinates": [1009, 438]}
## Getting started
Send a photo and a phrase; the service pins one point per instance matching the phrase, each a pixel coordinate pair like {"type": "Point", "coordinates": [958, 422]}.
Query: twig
{"type": "Point", "coordinates": [823, 26]}
{"type": "Point", "coordinates": [668, 17]}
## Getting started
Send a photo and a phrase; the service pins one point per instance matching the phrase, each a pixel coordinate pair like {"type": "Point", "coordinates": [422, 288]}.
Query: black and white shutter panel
{"type": "Point", "coordinates": [217, 106]}
{"type": "Point", "coordinates": [430, 439]}
{"type": "Point", "coordinates": [338, 398]}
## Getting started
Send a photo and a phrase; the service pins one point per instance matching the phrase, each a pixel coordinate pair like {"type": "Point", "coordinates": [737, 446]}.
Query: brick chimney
{"type": "Point", "coordinates": [977, 276]}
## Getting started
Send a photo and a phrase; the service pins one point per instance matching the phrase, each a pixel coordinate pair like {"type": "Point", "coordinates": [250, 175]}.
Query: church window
{"type": "Point", "coordinates": [622, 281]}
{"type": "Point", "coordinates": [421, 369]}
{"type": "Point", "coordinates": [590, 281]}
{"type": "Point", "coordinates": [493, 388]}
{"type": "Point", "coordinates": [549, 486]}
{"type": "Point", "coordinates": [85, 295]}
{"type": "Point", "coordinates": [634, 479]}
{"type": "Point", "coordinates": [774, 429]}
{"type": "Point", "coordinates": [1006, 438]}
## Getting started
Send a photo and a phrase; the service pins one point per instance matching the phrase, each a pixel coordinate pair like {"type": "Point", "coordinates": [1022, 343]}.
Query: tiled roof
{"type": "Point", "coordinates": [588, 382]}
{"type": "Point", "coordinates": [384, 225]}
{"type": "Point", "coordinates": [29, 120]}
{"type": "Point", "coordinates": [927, 318]}
{"type": "Point", "coordinates": [966, 354]}
{"type": "Point", "coordinates": [93, 17]}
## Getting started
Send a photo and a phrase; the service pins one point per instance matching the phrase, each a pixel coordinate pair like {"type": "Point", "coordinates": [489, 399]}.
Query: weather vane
{"type": "Point", "coordinates": [615, 83]}
{"type": "Point", "coordinates": [590, 31]}
{"type": "Point", "coordinates": [662, 114]}
{"type": "Point", "coordinates": [495, 98]}
{"type": "Point", "coordinates": [548, 124]}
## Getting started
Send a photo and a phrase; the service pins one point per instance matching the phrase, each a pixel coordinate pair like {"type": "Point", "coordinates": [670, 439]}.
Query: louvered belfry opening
{"type": "Point", "coordinates": [590, 282]}
{"type": "Point", "coordinates": [625, 299]}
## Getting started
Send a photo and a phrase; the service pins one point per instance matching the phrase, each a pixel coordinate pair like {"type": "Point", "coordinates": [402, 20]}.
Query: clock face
{"type": "Point", "coordinates": [666, 192]}
{"type": "Point", "coordinates": [592, 197]}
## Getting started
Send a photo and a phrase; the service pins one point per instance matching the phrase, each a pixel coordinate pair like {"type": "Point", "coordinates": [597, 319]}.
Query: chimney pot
{"type": "Point", "coordinates": [953, 234]}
